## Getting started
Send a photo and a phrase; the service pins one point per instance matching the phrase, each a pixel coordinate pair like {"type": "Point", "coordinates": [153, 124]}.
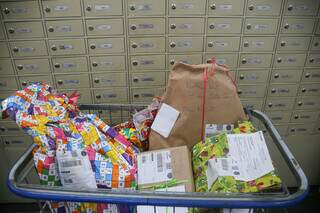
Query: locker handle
{"type": "Point", "coordinates": [53, 48]}
{"type": "Point", "coordinates": [57, 65]}
{"type": "Point", "coordinates": [249, 26]}
{"type": "Point", "coordinates": [279, 60]}
{"type": "Point", "coordinates": [60, 82]}
{"type": "Point", "coordinates": [286, 26]}
{"type": "Point", "coordinates": [213, 7]}
{"type": "Point", "coordinates": [135, 63]}
{"type": "Point", "coordinates": [20, 67]}
{"type": "Point", "coordinates": [16, 49]}
{"type": "Point", "coordinates": [211, 26]}
{"type": "Point", "coordinates": [241, 76]}
{"type": "Point", "coordinates": [311, 60]}
{"type": "Point", "coordinates": [173, 6]}
{"type": "Point", "coordinates": [47, 9]}
{"type": "Point", "coordinates": [316, 44]}
{"type": "Point", "coordinates": [172, 44]}
{"type": "Point", "coordinates": [246, 44]}
{"type": "Point", "coordinates": [51, 29]}
{"type": "Point", "coordinates": [11, 30]}
{"type": "Point", "coordinates": [172, 62]}
{"type": "Point", "coordinates": [290, 7]}
{"type": "Point", "coordinates": [251, 7]}
{"type": "Point", "coordinates": [283, 43]}
{"type": "Point", "coordinates": [98, 96]}
{"type": "Point", "coordinates": [307, 75]}
{"type": "Point", "coordinates": [132, 7]}
{"type": "Point", "coordinates": [92, 46]}
{"type": "Point", "coordinates": [90, 28]}
{"type": "Point", "coordinates": [133, 27]}
{"type": "Point", "coordinates": [210, 44]}
{"type": "Point", "coordinates": [276, 75]}
{"type": "Point", "coordinates": [97, 80]}
{"type": "Point", "coordinates": [273, 90]}
{"type": "Point", "coordinates": [6, 10]}
{"type": "Point", "coordinates": [173, 26]}
{"type": "Point", "coordinates": [134, 45]}
{"type": "Point", "coordinates": [94, 64]}
{"type": "Point", "coordinates": [244, 61]}
{"type": "Point", "coordinates": [89, 8]}
{"type": "Point", "coordinates": [303, 90]}
{"type": "Point", "coordinates": [296, 116]}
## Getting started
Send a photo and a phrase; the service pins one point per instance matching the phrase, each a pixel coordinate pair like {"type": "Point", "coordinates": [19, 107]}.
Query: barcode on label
{"type": "Point", "coordinates": [159, 162]}
{"type": "Point", "coordinates": [74, 154]}
{"type": "Point", "coordinates": [68, 181]}
{"type": "Point", "coordinates": [224, 164]}
{"type": "Point", "coordinates": [71, 163]}
{"type": "Point", "coordinates": [168, 166]}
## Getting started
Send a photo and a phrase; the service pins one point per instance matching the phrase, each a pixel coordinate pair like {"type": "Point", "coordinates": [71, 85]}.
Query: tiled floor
{"type": "Point", "coordinates": [310, 204]}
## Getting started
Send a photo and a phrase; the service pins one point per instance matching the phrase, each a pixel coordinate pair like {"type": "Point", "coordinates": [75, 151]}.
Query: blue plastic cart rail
{"type": "Point", "coordinates": [194, 199]}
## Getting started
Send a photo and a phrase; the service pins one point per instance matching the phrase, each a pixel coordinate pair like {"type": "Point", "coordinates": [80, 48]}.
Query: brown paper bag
{"type": "Point", "coordinates": [200, 102]}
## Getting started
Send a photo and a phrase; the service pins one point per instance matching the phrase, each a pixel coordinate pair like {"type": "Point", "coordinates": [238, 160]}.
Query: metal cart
{"type": "Point", "coordinates": [283, 199]}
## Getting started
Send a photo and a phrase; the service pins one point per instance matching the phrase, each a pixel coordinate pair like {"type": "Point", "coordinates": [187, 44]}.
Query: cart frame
{"type": "Point", "coordinates": [134, 197]}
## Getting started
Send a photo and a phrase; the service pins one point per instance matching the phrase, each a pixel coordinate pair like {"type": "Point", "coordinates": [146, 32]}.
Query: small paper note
{"type": "Point", "coordinates": [165, 120]}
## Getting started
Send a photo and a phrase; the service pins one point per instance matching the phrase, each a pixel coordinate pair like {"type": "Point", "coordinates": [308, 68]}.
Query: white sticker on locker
{"type": "Point", "coordinates": [106, 63]}
{"type": "Point", "coordinates": [146, 62]}
{"type": "Point", "coordinates": [145, 26]}
{"type": "Point", "coordinates": [263, 7]}
{"type": "Point", "coordinates": [27, 49]}
{"type": "Point", "coordinates": [261, 26]}
{"type": "Point", "coordinates": [146, 45]}
{"type": "Point", "coordinates": [254, 61]}
{"type": "Point", "coordinates": [24, 30]}
{"type": "Point", "coordinates": [184, 26]}
{"type": "Point", "coordinates": [32, 66]}
{"type": "Point", "coordinates": [102, 7]}
{"type": "Point", "coordinates": [144, 7]}
{"type": "Point", "coordinates": [20, 10]}
{"type": "Point", "coordinates": [290, 60]}
{"type": "Point", "coordinates": [69, 65]}
{"type": "Point", "coordinates": [223, 26]}
{"type": "Point", "coordinates": [110, 95]}
{"type": "Point", "coordinates": [72, 81]}
{"type": "Point", "coordinates": [184, 44]}
{"type": "Point", "coordinates": [297, 26]}
{"type": "Point", "coordinates": [258, 43]}
{"type": "Point", "coordinates": [225, 7]}
{"type": "Point", "coordinates": [147, 79]}
{"type": "Point", "coordinates": [103, 27]}
{"type": "Point", "coordinates": [294, 44]}
{"type": "Point", "coordinates": [66, 47]}
{"type": "Point", "coordinates": [302, 7]}
{"type": "Point", "coordinates": [221, 44]}
{"type": "Point", "coordinates": [61, 8]}
{"type": "Point", "coordinates": [66, 28]}
{"type": "Point", "coordinates": [185, 6]}
{"type": "Point", "coordinates": [221, 61]}
{"type": "Point", "coordinates": [106, 46]}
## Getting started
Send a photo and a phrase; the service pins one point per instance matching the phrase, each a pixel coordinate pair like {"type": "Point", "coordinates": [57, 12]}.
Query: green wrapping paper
{"type": "Point", "coordinates": [217, 147]}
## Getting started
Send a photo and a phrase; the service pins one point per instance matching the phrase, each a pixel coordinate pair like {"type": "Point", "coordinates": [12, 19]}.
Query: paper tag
{"type": "Point", "coordinates": [75, 170]}
{"type": "Point", "coordinates": [250, 154]}
{"type": "Point", "coordinates": [213, 129]}
{"type": "Point", "coordinates": [163, 209]}
{"type": "Point", "coordinates": [146, 45]}
{"type": "Point", "coordinates": [27, 49]}
{"type": "Point", "coordinates": [154, 167]}
{"type": "Point", "coordinates": [165, 120]}
{"type": "Point", "coordinates": [21, 10]}
{"type": "Point", "coordinates": [258, 43]}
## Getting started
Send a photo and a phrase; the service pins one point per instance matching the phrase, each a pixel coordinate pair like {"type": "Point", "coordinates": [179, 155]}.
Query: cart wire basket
{"type": "Point", "coordinates": [17, 178]}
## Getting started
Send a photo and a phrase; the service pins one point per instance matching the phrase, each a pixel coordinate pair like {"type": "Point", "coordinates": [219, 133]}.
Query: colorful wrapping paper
{"type": "Point", "coordinates": [56, 125]}
{"type": "Point", "coordinates": [216, 147]}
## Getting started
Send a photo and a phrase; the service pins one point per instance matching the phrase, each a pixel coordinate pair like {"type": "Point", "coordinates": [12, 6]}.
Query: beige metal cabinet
{"type": "Point", "coordinates": [289, 60]}
{"type": "Point", "coordinates": [61, 8]}
{"type": "Point", "coordinates": [286, 43]}
{"type": "Point", "coordinates": [252, 76]}
{"type": "Point", "coordinates": [66, 46]}
{"type": "Point", "coordinates": [304, 116]}
{"type": "Point", "coordinates": [85, 95]}
{"type": "Point", "coordinates": [286, 75]}
{"type": "Point", "coordinates": [147, 45]}
{"type": "Point", "coordinates": [146, 8]}
{"type": "Point", "coordinates": [222, 44]}
{"type": "Point", "coordinates": [4, 53]}
{"type": "Point", "coordinates": [255, 60]}
{"type": "Point", "coordinates": [147, 62]}
{"type": "Point", "coordinates": [107, 63]}
{"type": "Point", "coordinates": [186, 7]}
{"type": "Point", "coordinates": [141, 79]}
{"type": "Point", "coordinates": [64, 28]}
{"type": "Point", "coordinates": [309, 89]}
{"type": "Point", "coordinates": [106, 45]}
{"type": "Point", "coordinates": [257, 44]}
{"type": "Point", "coordinates": [6, 67]}
{"type": "Point", "coordinates": [185, 44]}
{"type": "Point", "coordinates": [10, 128]}
{"type": "Point", "coordinates": [114, 95]}
{"type": "Point", "coordinates": [260, 26]}
{"type": "Point", "coordinates": [312, 103]}
{"type": "Point", "coordinates": [8, 83]}
{"type": "Point", "coordinates": [145, 95]}
{"type": "Point", "coordinates": [70, 64]}
{"type": "Point", "coordinates": [28, 48]}
{"type": "Point", "coordinates": [72, 81]}
{"type": "Point", "coordinates": [187, 59]}
{"type": "Point", "coordinates": [224, 25]}
{"type": "Point", "coordinates": [146, 26]}
{"type": "Point", "coordinates": [99, 8]}
{"type": "Point", "coordinates": [96, 27]}
{"type": "Point", "coordinates": [32, 66]}
{"type": "Point", "coordinates": [288, 90]}
{"type": "Point", "coordinates": [263, 7]}
{"type": "Point", "coordinates": [301, 8]}
{"type": "Point", "coordinates": [297, 25]}
{"type": "Point", "coordinates": [283, 103]}
{"type": "Point", "coordinates": [311, 75]}
{"type": "Point", "coordinates": [295, 129]}
{"type": "Point", "coordinates": [186, 25]}
{"type": "Point", "coordinates": [225, 7]}
{"type": "Point", "coordinates": [109, 79]}
{"type": "Point", "coordinates": [23, 30]}
{"type": "Point", "coordinates": [30, 79]}
{"type": "Point", "coordinates": [313, 60]}
{"type": "Point", "coordinates": [251, 91]}
{"type": "Point", "coordinates": [230, 59]}
{"type": "Point", "coordinates": [255, 103]}
{"type": "Point", "coordinates": [20, 9]}
{"type": "Point", "coordinates": [279, 116]}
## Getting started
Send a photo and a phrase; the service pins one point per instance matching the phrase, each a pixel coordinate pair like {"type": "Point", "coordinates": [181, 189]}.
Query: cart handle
{"type": "Point", "coordinates": [193, 199]}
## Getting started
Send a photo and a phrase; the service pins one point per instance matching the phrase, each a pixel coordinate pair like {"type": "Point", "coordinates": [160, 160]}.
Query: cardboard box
{"type": "Point", "coordinates": [159, 167]}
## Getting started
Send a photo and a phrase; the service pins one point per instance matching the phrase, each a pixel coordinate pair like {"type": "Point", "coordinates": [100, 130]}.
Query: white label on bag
{"type": "Point", "coordinates": [154, 167]}
{"type": "Point", "coordinates": [165, 120]}
{"type": "Point", "coordinates": [75, 169]}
